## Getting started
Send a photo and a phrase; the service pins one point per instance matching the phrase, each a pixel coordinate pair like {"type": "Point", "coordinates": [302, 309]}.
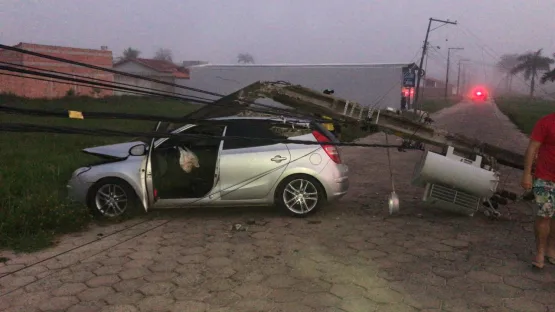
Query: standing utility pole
{"type": "Point", "coordinates": [447, 73]}
{"type": "Point", "coordinates": [459, 76]}
{"type": "Point", "coordinates": [424, 48]}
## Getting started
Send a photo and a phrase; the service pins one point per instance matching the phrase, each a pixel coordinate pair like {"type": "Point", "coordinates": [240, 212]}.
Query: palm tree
{"type": "Point", "coordinates": [505, 65]}
{"type": "Point", "coordinates": [245, 58]}
{"type": "Point", "coordinates": [529, 64]}
{"type": "Point", "coordinates": [549, 76]}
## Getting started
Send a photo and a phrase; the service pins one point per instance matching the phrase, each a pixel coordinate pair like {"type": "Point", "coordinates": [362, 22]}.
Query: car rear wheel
{"type": "Point", "coordinates": [112, 198]}
{"type": "Point", "coordinates": [300, 195]}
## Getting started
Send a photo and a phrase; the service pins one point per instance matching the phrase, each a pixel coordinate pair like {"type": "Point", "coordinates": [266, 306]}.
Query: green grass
{"type": "Point", "coordinates": [434, 105]}
{"type": "Point", "coordinates": [34, 167]}
{"type": "Point", "coordinates": [524, 112]}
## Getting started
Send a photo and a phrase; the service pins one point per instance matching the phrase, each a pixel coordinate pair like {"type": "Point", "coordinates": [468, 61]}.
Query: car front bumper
{"type": "Point", "coordinates": [77, 190]}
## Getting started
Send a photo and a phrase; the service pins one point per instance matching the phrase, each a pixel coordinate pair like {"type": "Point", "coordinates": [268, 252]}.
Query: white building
{"type": "Point", "coordinates": [156, 69]}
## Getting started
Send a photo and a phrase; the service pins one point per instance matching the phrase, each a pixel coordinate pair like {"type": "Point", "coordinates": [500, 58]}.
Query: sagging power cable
{"type": "Point", "coordinates": [283, 112]}
{"type": "Point", "coordinates": [33, 128]}
{"type": "Point", "coordinates": [70, 76]}
{"type": "Point", "coordinates": [107, 85]}
{"type": "Point", "coordinates": [198, 101]}
{"type": "Point", "coordinates": [36, 73]}
{"type": "Point", "coordinates": [126, 116]}
{"type": "Point", "coordinates": [73, 75]}
{"type": "Point", "coordinates": [63, 60]}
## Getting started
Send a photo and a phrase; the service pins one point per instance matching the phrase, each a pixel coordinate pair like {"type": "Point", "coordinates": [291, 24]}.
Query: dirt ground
{"type": "Point", "coordinates": [352, 256]}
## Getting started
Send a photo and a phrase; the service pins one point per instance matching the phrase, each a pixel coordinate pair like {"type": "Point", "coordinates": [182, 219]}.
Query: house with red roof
{"type": "Point", "coordinates": [160, 70]}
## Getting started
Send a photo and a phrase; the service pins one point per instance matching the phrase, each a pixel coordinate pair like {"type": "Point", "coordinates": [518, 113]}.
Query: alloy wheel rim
{"type": "Point", "coordinates": [300, 196]}
{"type": "Point", "coordinates": [111, 200]}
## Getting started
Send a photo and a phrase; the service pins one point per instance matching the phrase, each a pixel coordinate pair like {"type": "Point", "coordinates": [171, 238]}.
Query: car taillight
{"type": "Point", "coordinates": [331, 150]}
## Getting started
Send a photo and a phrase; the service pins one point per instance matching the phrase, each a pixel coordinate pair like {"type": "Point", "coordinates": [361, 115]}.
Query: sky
{"type": "Point", "coordinates": [287, 31]}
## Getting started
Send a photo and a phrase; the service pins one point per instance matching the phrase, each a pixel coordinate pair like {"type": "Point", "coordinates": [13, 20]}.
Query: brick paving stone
{"type": "Point", "coordinates": [523, 305]}
{"type": "Point", "coordinates": [97, 293]}
{"type": "Point", "coordinates": [189, 306]}
{"type": "Point", "coordinates": [121, 308]}
{"type": "Point", "coordinates": [103, 280]}
{"type": "Point", "coordinates": [58, 303]}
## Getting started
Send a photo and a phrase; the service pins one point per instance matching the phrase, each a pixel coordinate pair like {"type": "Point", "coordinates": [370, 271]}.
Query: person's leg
{"type": "Point", "coordinates": [550, 251]}
{"type": "Point", "coordinates": [542, 233]}
{"type": "Point", "coordinates": [543, 220]}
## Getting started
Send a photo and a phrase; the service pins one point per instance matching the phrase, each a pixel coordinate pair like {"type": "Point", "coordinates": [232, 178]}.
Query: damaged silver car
{"type": "Point", "coordinates": [203, 172]}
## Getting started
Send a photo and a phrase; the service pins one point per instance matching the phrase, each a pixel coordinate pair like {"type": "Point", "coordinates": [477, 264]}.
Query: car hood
{"type": "Point", "coordinates": [113, 151]}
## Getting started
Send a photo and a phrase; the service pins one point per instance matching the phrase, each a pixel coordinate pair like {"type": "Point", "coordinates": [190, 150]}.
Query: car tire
{"type": "Point", "coordinates": [122, 195]}
{"type": "Point", "coordinates": [292, 186]}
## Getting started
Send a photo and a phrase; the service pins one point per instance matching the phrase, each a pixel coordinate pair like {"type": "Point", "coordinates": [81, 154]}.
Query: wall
{"type": "Point", "coordinates": [32, 88]}
{"type": "Point", "coordinates": [138, 69]}
{"type": "Point", "coordinates": [366, 84]}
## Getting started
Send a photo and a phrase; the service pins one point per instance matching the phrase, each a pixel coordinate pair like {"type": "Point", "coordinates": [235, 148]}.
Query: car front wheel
{"type": "Point", "coordinates": [112, 198]}
{"type": "Point", "coordinates": [300, 195]}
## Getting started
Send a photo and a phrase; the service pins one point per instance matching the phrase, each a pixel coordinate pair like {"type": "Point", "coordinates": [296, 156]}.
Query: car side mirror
{"type": "Point", "coordinates": [138, 150]}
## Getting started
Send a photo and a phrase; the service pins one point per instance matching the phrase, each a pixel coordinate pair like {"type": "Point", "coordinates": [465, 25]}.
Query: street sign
{"type": "Point", "coordinates": [409, 79]}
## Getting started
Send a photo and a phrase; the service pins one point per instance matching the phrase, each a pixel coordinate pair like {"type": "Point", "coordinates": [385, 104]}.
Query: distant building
{"type": "Point", "coordinates": [155, 69]}
{"type": "Point", "coordinates": [187, 64]}
{"type": "Point", "coordinates": [49, 88]}
{"type": "Point", "coordinates": [434, 88]}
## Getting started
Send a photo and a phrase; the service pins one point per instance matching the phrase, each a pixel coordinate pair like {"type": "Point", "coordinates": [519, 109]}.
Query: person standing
{"type": "Point", "coordinates": [541, 149]}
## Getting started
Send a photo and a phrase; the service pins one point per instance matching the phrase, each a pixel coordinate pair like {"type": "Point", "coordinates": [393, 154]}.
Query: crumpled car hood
{"type": "Point", "coordinates": [117, 151]}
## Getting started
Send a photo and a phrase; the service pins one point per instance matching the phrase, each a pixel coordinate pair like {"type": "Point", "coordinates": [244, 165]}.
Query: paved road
{"type": "Point", "coordinates": [350, 257]}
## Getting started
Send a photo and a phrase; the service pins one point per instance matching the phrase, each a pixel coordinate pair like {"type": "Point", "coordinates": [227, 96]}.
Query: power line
{"type": "Point", "coordinates": [109, 85]}
{"type": "Point", "coordinates": [36, 73]}
{"type": "Point", "coordinates": [90, 86]}
{"type": "Point", "coordinates": [113, 115]}
{"type": "Point", "coordinates": [33, 128]}
{"type": "Point", "coordinates": [63, 60]}
{"type": "Point", "coordinates": [72, 75]}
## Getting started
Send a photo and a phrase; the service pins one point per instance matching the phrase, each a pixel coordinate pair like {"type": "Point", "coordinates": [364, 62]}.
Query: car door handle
{"type": "Point", "coordinates": [278, 159]}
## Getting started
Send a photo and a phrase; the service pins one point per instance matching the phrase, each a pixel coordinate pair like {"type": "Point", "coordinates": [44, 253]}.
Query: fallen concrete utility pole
{"type": "Point", "coordinates": [461, 178]}
{"type": "Point", "coordinates": [402, 124]}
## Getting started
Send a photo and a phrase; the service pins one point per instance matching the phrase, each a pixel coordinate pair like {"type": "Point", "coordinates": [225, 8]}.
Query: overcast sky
{"type": "Point", "coordinates": [286, 31]}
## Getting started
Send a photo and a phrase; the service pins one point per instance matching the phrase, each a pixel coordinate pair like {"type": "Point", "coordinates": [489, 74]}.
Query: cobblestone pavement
{"type": "Point", "coordinates": [349, 257]}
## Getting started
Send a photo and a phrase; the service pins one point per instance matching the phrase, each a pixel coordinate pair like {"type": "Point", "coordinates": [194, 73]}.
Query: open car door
{"type": "Point", "coordinates": [151, 195]}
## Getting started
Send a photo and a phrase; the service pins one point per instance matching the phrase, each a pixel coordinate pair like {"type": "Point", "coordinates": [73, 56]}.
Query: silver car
{"type": "Point", "coordinates": [298, 178]}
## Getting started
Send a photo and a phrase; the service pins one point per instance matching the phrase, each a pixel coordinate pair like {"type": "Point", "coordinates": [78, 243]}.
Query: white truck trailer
{"type": "Point", "coordinates": [374, 85]}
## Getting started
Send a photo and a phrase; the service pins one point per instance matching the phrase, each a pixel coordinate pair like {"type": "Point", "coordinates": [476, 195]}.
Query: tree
{"type": "Point", "coordinates": [529, 64]}
{"type": "Point", "coordinates": [131, 53]}
{"type": "Point", "coordinates": [128, 54]}
{"type": "Point", "coordinates": [549, 76]}
{"type": "Point", "coordinates": [164, 55]}
{"type": "Point", "coordinates": [505, 65]}
{"type": "Point", "coordinates": [245, 58]}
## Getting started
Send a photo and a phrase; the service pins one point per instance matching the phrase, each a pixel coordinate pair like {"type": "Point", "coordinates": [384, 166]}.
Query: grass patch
{"type": "Point", "coordinates": [36, 166]}
{"type": "Point", "coordinates": [434, 105]}
{"type": "Point", "coordinates": [524, 112]}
